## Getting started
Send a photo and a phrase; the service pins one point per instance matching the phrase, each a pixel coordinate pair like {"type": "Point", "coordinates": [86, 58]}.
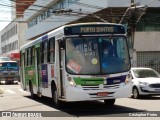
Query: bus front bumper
{"type": "Point", "coordinates": [79, 94]}
{"type": "Point", "coordinates": [9, 80]}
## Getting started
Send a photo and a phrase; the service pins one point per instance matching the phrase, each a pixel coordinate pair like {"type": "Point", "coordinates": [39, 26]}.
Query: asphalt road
{"type": "Point", "coordinates": [14, 99]}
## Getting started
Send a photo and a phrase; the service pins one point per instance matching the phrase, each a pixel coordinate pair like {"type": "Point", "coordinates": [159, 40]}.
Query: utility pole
{"type": "Point", "coordinates": [133, 14]}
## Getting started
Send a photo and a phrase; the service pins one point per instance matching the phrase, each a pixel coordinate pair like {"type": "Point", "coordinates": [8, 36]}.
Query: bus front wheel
{"type": "Point", "coordinates": [55, 99]}
{"type": "Point", "coordinates": [109, 102]}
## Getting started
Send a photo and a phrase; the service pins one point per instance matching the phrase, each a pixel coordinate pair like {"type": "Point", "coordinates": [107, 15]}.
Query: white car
{"type": "Point", "coordinates": [145, 81]}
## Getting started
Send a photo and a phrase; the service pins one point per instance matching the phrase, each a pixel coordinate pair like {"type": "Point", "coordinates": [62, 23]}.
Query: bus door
{"type": "Point", "coordinates": [22, 70]}
{"type": "Point", "coordinates": [37, 68]}
{"type": "Point", "coordinates": [62, 67]}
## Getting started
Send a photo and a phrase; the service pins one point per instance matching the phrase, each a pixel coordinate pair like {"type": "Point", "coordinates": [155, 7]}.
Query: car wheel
{"type": "Point", "coordinates": [135, 93]}
{"type": "Point", "coordinates": [109, 102]}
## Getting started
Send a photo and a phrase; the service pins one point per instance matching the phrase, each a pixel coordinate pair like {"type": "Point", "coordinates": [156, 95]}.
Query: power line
{"type": "Point", "coordinates": [83, 13]}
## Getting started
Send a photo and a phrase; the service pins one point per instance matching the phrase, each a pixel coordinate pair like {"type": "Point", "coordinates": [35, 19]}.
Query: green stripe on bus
{"type": "Point", "coordinates": [37, 45]}
{"type": "Point", "coordinates": [30, 74]}
{"type": "Point", "coordinates": [88, 81]}
{"type": "Point", "coordinates": [23, 51]}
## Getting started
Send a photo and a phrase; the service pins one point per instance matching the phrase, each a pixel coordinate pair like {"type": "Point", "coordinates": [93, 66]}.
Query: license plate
{"type": "Point", "coordinates": [102, 94]}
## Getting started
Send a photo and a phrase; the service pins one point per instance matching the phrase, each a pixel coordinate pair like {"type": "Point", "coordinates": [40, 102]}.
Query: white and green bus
{"type": "Point", "coordinates": [68, 64]}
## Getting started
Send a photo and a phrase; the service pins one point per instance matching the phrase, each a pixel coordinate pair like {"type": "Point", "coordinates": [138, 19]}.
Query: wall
{"type": "Point", "coordinates": [22, 27]}
{"type": "Point", "coordinates": [147, 41]}
{"type": "Point", "coordinates": [120, 3]}
{"type": "Point", "coordinates": [0, 44]}
{"type": "Point", "coordinates": [126, 3]}
{"type": "Point", "coordinates": [17, 37]}
{"type": "Point", "coordinates": [33, 9]}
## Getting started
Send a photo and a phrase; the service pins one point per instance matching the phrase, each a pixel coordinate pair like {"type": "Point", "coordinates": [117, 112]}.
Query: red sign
{"type": "Point", "coordinates": [75, 67]}
{"type": "Point", "coordinates": [15, 55]}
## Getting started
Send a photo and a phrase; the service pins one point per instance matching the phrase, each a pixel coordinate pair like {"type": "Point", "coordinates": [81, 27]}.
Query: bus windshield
{"type": "Point", "coordinates": [9, 66]}
{"type": "Point", "coordinates": [97, 55]}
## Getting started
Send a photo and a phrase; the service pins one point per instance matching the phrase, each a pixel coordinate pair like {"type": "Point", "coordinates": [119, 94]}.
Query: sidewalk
{"type": "Point", "coordinates": [1, 90]}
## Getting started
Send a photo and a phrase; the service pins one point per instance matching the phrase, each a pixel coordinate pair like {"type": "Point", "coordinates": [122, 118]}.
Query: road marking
{"type": "Point", "coordinates": [10, 91]}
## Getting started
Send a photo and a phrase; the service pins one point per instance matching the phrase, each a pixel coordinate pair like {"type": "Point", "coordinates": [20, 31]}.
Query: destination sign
{"type": "Point", "coordinates": [8, 66]}
{"type": "Point", "coordinates": [94, 29]}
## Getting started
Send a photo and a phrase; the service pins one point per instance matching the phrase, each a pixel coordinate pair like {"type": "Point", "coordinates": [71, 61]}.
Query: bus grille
{"type": "Point", "coordinates": [99, 87]}
{"type": "Point", "coordinates": [12, 73]}
{"type": "Point", "coordinates": [5, 74]}
{"type": "Point", "coordinates": [115, 86]}
{"type": "Point", "coordinates": [8, 74]}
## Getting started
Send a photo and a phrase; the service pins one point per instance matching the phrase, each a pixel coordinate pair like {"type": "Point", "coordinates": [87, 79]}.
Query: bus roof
{"type": "Point", "coordinates": [4, 58]}
{"type": "Point", "coordinates": [8, 61]}
{"type": "Point", "coordinates": [88, 23]}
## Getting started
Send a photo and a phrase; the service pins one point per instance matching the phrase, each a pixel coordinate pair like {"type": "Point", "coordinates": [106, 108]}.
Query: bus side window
{"type": "Point", "coordinates": [51, 50]}
{"type": "Point", "coordinates": [32, 56]}
{"type": "Point", "coordinates": [25, 59]}
{"type": "Point", "coordinates": [29, 56]}
{"type": "Point", "coordinates": [42, 55]}
{"type": "Point", "coordinates": [44, 47]}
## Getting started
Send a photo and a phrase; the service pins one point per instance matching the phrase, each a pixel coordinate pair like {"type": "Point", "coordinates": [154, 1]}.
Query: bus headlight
{"type": "Point", "coordinates": [128, 79]}
{"type": "Point", "coordinates": [71, 82]}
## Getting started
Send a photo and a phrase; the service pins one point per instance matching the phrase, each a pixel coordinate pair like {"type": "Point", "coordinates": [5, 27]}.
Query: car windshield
{"type": "Point", "coordinates": [97, 55]}
{"type": "Point", "coordinates": [144, 73]}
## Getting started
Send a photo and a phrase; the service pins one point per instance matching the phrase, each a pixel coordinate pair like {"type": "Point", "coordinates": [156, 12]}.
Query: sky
{"type": "Point", "coordinates": [5, 13]}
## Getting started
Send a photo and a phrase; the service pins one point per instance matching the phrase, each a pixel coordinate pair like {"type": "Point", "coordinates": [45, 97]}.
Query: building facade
{"type": "Point", "coordinates": [12, 37]}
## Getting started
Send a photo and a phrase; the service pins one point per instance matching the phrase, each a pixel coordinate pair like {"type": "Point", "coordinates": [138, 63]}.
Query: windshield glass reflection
{"type": "Point", "coordinates": [97, 55]}
{"type": "Point", "coordinates": [145, 73]}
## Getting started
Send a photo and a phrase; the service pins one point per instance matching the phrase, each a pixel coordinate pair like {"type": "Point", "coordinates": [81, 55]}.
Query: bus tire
{"type": "Point", "coordinates": [31, 90]}
{"type": "Point", "coordinates": [109, 102]}
{"type": "Point", "coordinates": [57, 103]}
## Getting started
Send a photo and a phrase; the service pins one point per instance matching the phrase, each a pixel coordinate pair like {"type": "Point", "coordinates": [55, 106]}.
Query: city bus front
{"type": "Point", "coordinates": [9, 72]}
{"type": "Point", "coordinates": [97, 67]}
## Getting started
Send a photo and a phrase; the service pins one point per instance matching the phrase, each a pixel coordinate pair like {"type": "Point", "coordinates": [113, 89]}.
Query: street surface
{"type": "Point", "coordinates": [15, 99]}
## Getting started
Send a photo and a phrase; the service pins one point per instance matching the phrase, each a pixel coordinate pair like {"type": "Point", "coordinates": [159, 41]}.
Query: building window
{"type": "Point", "coordinates": [149, 23]}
